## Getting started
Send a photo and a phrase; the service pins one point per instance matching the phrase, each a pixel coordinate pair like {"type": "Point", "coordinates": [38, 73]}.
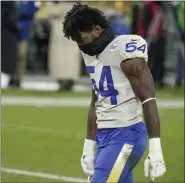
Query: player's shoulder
{"type": "Point", "coordinates": [132, 46]}
{"type": "Point", "coordinates": [129, 38]}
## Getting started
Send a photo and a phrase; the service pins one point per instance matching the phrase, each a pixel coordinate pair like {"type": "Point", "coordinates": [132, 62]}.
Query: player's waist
{"type": "Point", "coordinates": [118, 123]}
{"type": "Point", "coordinates": [108, 136]}
{"type": "Point", "coordinates": [103, 105]}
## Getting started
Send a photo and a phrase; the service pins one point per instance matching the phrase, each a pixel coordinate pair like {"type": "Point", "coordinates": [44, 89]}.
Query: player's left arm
{"type": "Point", "coordinates": [139, 76]}
{"type": "Point", "coordinates": [87, 159]}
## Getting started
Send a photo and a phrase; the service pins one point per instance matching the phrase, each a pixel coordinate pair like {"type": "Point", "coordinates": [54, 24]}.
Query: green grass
{"type": "Point", "coordinates": [21, 178]}
{"type": "Point", "coordinates": [50, 140]}
{"type": "Point", "coordinates": [167, 93]}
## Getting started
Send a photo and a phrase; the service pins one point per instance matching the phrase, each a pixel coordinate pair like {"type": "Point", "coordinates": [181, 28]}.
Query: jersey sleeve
{"type": "Point", "coordinates": [133, 46]}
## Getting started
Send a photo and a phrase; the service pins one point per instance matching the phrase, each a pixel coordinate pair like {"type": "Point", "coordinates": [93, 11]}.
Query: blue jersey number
{"type": "Point", "coordinates": [105, 75]}
{"type": "Point", "coordinates": [132, 46]}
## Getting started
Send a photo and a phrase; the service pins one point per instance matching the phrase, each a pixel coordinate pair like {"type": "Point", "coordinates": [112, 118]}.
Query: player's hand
{"type": "Point", "coordinates": [87, 163]}
{"type": "Point", "coordinates": [154, 165]}
{"type": "Point", "coordinates": [87, 159]}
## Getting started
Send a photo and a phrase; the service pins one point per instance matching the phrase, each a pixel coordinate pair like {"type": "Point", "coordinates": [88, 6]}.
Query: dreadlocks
{"type": "Point", "coordinates": [82, 18]}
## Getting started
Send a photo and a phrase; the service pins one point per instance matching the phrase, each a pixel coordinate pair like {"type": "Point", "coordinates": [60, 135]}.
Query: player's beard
{"type": "Point", "coordinates": [99, 44]}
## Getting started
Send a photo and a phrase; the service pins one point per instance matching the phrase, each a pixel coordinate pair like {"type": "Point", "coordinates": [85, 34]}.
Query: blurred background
{"type": "Point", "coordinates": [46, 89]}
{"type": "Point", "coordinates": [35, 55]}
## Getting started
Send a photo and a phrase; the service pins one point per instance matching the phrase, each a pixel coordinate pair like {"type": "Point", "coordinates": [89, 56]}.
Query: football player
{"type": "Point", "coordinates": [123, 89]}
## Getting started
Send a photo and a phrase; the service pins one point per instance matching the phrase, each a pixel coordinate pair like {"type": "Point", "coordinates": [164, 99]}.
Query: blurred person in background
{"type": "Point", "coordinates": [123, 7]}
{"type": "Point", "coordinates": [179, 17]}
{"type": "Point", "coordinates": [38, 41]}
{"type": "Point", "coordinates": [26, 12]}
{"type": "Point", "coordinates": [152, 29]}
{"type": "Point", "coordinates": [9, 37]}
{"type": "Point", "coordinates": [135, 16]}
{"type": "Point", "coordinates": [64, 61]}
{"type": "Point", "coordinates": [119, 21]}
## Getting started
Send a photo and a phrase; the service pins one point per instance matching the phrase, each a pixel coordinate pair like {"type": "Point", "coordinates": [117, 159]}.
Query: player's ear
{"type": "Point", "coordinates": [97, 30]}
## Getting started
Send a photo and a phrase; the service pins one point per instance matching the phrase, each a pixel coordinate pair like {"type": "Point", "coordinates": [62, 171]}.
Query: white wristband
{"type": "Point", "coordinates": [147, 100]}
{"type": "Point", "coordinates": [154, 145]}
{"type": "Point", "coordinates": [88, 147]}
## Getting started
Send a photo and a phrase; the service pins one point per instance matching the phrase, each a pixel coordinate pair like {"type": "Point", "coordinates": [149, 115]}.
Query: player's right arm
{"type": "Point", "coordinates": [91, 122]}
{"type": "Point", "coordinates": [87, 158]}
{"type": "Point", "coordinates": [134, 66]}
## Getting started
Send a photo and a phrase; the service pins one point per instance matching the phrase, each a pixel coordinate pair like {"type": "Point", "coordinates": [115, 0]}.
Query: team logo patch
{"type": "Point", "coordinates": [113, 46]}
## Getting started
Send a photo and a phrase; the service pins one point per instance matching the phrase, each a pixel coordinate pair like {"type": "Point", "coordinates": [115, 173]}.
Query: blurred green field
{"type": "Point", "coordinates": [50, 140]}
{"type": "Point", "coordinates": [167, 93]}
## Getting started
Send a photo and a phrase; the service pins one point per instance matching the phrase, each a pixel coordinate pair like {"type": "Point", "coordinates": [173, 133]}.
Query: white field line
{"type": "Point", "coordinates": [42, 175]}
{"type": "Point", "coordinates": [45, 101]}
{"type": "Point", "coordinates": [44, 130]}
{"type": "Point", "coordinates": [71, 102]}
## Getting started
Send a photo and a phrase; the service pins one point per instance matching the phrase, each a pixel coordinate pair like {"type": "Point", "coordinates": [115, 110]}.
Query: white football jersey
{"type": "Point", "coordinates": [116, 105]}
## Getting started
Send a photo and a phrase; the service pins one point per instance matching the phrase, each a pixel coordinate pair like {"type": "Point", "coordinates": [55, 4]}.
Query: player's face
{"type": "Point", "coordinates": [88, 37]}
